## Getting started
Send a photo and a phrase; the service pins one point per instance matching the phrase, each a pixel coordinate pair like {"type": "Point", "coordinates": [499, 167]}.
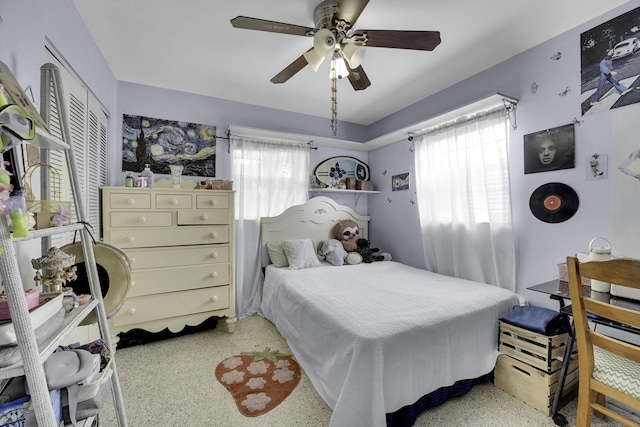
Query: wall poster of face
{"type": "Point", "coordinates": [550, 150]}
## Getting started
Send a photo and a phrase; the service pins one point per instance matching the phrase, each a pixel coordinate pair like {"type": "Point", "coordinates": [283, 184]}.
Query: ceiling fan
{"type": "Point", "coordinates": [334, 35]}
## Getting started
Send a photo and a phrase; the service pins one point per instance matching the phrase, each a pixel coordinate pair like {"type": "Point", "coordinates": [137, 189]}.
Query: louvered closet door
{"type": "Point", "coordinates": [88, 125]}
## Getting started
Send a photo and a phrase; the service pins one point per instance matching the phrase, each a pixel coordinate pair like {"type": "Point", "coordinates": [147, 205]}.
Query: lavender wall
{"type": "Point", "coordinates": [25, 27]}
{"type": "Point", "coordinates": [27, 24]}
{"type": "Point", "coordinates": [539, 246]}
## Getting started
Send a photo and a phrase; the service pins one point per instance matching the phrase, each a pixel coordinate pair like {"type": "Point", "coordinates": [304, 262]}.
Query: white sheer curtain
{"type": "Point", "coordinates": [464, 199]}
{"type": "Point", "coordinates": [268, 176]}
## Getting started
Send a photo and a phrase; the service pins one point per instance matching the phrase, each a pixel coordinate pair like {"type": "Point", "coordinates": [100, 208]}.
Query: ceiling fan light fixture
{"type": "Point", "coordinates": [313, 59]}
{"type": "Point", "coordinates": [353, 54]}
{"type": "Point", "coordinates": [338, 67]}
{"type": "Point", "coordinates": [324, 41]}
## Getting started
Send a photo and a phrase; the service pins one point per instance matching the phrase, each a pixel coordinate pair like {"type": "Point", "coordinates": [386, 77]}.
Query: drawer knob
{"type": "Point", "coordinates": [132, 260]}
{"type": "Point", "coordinates": [214, 255]}
{"type": "Point", "coordinates": [214, 202]}
{"type": "Point", "coordinates": [130, 201]}
{"type": "Point", "coordinates": [142, 220]}
{"type": "Point", "coordinates": [214, 235]}
{"type": "Point", "coordinates": [174, 202]}
{"type": "Point", "coordinates": [133, 283]}
{"type": "Point", "coordinates": [214, 298]}
{"type": "Point", "coordinates": [130, 239]}
{"type": "Point", "coordinates": [205, 217]}
{"type": "Point", "coordinates": [214, 274]}
{"type": "Point", "coordinates": [131, 311]}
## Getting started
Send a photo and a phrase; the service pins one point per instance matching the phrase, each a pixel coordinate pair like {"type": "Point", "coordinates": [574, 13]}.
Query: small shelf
{"type": "Point", "coordinates": [50, 231]}
{"type": "Point", "coordinates": [337, 190]}
{"type": "Point", "coordinates": [71, 321]}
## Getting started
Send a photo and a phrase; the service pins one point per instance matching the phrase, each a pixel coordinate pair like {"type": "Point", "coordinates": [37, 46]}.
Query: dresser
{"type": "Point", "coordinates": [181, 247]}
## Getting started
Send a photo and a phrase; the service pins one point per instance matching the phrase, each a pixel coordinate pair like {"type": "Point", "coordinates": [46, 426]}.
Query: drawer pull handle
{"type": "Point", "coordinates": [133, 260]}
{"type": "Point", "coordinates": [214, 235]}
{"type": "Point", "coordinates": [130, 201]}
{"type": "Point", "coordinates": [214, 255]}
{"type": "Point", "coordinates": [130, 239]}
{"type": "Point", "coordinates": [204, 217]}
{"type": "Point", "coordinates": [214, 202]}
{"type": "Point", "coordinates": [174, 202]}
{"type": "Point", "coordinates": [214, 274]}
{"type": "Point", "coordinates": [131, 311]}
{"type": "Point", "coordinates": [142, 220]}
{"type": "Point", "coordinates": [214, 298]}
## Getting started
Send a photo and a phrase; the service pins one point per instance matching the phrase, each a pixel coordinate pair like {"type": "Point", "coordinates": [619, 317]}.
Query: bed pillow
{"type": "Point", "coordinates": [277, 255]}
{"type": "Point", "coordinates": [301, 253]}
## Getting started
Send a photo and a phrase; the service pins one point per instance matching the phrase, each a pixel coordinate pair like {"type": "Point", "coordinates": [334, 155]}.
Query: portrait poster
{"type": "Point", "coordinates": [610, 64]}
{"type": "Point", "coordinates": [160, 143]}
{"type": "Point", "coordinates": [550, 150]}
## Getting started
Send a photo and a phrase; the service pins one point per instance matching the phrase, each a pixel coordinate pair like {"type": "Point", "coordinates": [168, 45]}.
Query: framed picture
{"type": "Point", "coordinates": [597, 168]}
{"type": "Point", "coordinates": [161, 143]}
{"type": "Point", "coordinates": [609, 65]}
{"type": "Point", "coordinates": [550, 150]}
{"type": "Point", "coordinates": [400, 182]}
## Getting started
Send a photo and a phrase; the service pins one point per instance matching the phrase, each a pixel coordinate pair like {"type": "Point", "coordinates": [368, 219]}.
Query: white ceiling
{"type": "Point", "coordinates": [190, 46]}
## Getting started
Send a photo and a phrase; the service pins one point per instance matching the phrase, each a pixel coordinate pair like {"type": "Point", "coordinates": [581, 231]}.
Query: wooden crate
{"type": "Point", "coordinates": [531, 385]}
{"type": "Point", "coordinates": [540, 351]}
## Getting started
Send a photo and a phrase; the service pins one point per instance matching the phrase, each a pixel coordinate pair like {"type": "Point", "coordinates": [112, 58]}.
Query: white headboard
{"type": "Point", "coordinates": [314, 219]}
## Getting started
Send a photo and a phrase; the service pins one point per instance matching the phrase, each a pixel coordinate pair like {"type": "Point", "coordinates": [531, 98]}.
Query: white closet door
{"type": "Point", "coordinates": [88, 123]}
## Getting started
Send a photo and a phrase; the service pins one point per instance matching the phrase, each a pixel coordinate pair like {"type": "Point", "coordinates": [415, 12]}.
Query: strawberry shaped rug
{"type": "Point", "coordinates": [259, 380]}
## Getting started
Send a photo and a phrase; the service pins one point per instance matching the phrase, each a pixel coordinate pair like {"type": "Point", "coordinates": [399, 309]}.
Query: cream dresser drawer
{"type": "Point", "coordinates": [141, 219]}
{"type": "Point", "coordinates": [169, 237]}
{"type": "Point", "coordinates": [133, 200]}
{"type": "Point", "coordinates": [174, 201]}
{"type": "Point", "coordinates": [154, 307]}
{"type": "Point", "coordinates": [177, 256]}
{"type": "Point", "coordinates": [160, 280]}
{"type": "Point", "coordinates": [203, 217]}
{"type": "Point", "coordinates": [212, 201]}
{"type": "Point", "coordinates": [180, 243]}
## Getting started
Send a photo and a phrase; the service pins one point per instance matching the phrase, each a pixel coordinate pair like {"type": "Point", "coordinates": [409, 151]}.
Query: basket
{"type": "Point", "coordinates": [53, 205]}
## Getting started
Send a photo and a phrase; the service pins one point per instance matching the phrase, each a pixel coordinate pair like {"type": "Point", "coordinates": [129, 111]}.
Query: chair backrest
{"type": "Point", "coordinates": [623, 272]}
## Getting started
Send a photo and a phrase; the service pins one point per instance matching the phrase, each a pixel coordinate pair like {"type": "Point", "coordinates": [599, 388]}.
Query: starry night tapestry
{"type": "Point", "coordinates": [161, 143]}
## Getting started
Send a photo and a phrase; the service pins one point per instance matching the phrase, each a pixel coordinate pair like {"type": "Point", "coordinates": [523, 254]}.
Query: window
{"type": "Point", "coordinates": [464, 199]}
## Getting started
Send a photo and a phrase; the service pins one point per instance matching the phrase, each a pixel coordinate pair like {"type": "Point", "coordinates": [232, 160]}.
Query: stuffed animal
{"type": "Point", "coordinates": [347, 232]}
{"type": "Point", "coordinates": [368, 253]}
{"type": "Point", "coordinates": [333, 252]}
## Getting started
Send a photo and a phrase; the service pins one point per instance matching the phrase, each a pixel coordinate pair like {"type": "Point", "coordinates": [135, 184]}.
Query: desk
{"type": "Point", "coordinates": [559, 290]}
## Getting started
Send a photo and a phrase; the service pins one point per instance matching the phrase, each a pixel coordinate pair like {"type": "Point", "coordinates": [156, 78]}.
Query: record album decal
{"type": "Point", "coordinates": [554, 202]}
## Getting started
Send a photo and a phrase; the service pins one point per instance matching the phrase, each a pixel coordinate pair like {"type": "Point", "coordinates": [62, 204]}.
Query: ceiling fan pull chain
{"type": "Point", "coordinates": [334, 98]}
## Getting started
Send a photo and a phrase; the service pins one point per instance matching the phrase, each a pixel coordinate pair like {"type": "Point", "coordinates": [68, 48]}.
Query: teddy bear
{"type": "Point", "coordinates": [368, 254]}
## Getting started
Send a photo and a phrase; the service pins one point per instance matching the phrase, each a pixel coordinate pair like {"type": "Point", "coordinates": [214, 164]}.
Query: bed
{"type": "Point", "coordinates": [380, 341]}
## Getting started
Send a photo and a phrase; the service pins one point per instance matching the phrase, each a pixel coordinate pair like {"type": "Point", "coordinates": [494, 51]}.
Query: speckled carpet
{"type": "Point", "coordinates": [171, 382]}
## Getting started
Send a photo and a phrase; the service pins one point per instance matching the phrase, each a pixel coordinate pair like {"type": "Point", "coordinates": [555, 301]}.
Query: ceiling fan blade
{"type": "Point", "coordinates": [417, 40]}
{"type": "Point", "coordinates": [290, 70]}
{"type": "Point", "coordinates": [350, 10]}
{"type": "Point", "coordinates": [357, 77]}
{"type": "Point", "coordinates": [270, 26]}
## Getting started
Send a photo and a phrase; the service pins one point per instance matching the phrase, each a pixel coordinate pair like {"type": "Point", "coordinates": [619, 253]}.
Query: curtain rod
{"type": "Point", "coordinates": [509, 106]}
{"type": "Point", "coordinates": [228, 138]}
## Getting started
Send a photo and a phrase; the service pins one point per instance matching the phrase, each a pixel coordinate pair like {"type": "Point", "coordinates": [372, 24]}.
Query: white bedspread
{"type": "Point", "coordinates": [376, 337]}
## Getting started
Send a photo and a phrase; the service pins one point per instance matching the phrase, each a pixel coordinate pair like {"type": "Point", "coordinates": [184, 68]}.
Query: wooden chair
{"type": "Point", "coordinates": [608, 366]}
